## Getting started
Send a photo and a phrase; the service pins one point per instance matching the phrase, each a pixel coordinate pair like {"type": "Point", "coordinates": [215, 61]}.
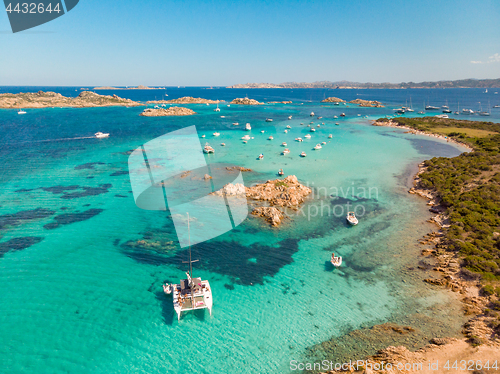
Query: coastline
{"type": "Point", "coordinates": [479, 341]}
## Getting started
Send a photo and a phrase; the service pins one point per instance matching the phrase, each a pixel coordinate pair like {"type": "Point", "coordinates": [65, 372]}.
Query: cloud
{"type": "Point", "coordinates": [476, 62]}
{"type": "Point", "coordinates": [494, 58]}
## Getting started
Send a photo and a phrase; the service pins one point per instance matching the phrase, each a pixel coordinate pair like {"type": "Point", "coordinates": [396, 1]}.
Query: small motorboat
{"type": "Point", "coordinates": [330, 136]}
{"type": "Point", "coordinates": [312, 114]}
{"type": "Point", "coordinates": [223, 144]}
{"type": "Point", "coordinates": [23, 112]}
{"type": "Point", "coordinates": [101, 135]}
{"type": "Point", "coordinates": [335, 117]}
{"type": "Point", "coordinates": [312, 130]}
{"type": "Point", "coordinates": [336, 260]}
{"type": "Point", "coordinates": [299, 139]}
{"type": "Point", "coordinates": [289, 127]}
{"type": "Point", "coordinates": [289, 117]}
{"type": "Point", "coordinates": [248, 127]}
{"type": "Point", "coordinates": [262, 132]}
{"type": "Point", "coordinates": [308, 125]}
{"type": "Point", "coordinates": [280, 172]}
{"type": "Point", "coordinates": [337, 124]}
{"type": "Point", "coordinates": [312, 123]}
{"type": "Point", "coordinates": [303, 154]}
{"type": "Point", "coordinates": [342, 114]}
{"type": "Point", "coordinates": [318, 146]}
{"type": "Point", "coordinates": [216, 134]}
{"type": "Point", "coordinates": [269, 120]}
{"type": "Point", "coordinates": [442, 116]}
{"type": "Point", "coordinates": [283, 144]}
{"type": "Point", "coordinates": [286, 131]}
{"type": "Point", "coordinates": [244, 141]}
{"type": "Point", "coordinates": [320, 117]}
{"type": "Point", "coordinates": [203, 136]}
{"type": "Point", "coordinates": [270, 138]}
{"type": "Point", "coordinates": [222, 116]}
{"type": "Point", "coordinates": [168, 288]}
{"type": "Point", "coordinates": [318, 125]}
{"type": "Point", "coordinates": [323, 143]}
{"type": "Point", "coordinates": [235, 123]}
{"type": "Point", "coordinates": [351, 218]}
{"type": "Point", "coordinates": [261, 156]}
{"type": "Point", "coordinates": [246, 137]}
{"type": "Point", "coordinates": [286, 151]}
{"type": "Point", "coordinates": [302, 123]}
{"type": "Point", "coordinates": [208, 149]}
{"type": "Point", "coordinates": [308, 136]}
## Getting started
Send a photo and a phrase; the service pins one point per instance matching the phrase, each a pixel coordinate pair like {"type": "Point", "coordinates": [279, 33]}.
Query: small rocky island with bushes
{"type": "Point", "coordinates": [172, 111]}
{"type": "Point", "coordinates": [246, 101]}
{"type": "Point", "coordinates": [185, 100]}
{"type": "Point", "coordinates": [332, 100]}
{"type": "Point", "coordinates": [367, 103]}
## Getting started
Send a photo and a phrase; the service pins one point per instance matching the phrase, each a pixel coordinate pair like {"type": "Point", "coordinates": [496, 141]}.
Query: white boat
{"type": "Point", "coordinates": [192, 293]}
{"type": "Point", "coordinates": [335, 117]}
{"type": "Point", "coordinates": [312, 114]}
{"type": "Point", "coordinates": [351, 218]}
{"type": "Point", "coordinates": [467, 111]}
{"type": "Point", "coordinates": [203, 136]}
{"type": "Point", "coordinates": [330, 136]}
{"type": "Point", "coordinates": [216, 133]}
{"type": "Point", "coordinates": [289, 117]}
{"type": "Point", "coordinates": [208, 149]}
{"type": "Point", "coordinates": [286, 151]}
{"type": "Point", "coordinates": [320, 117]}
{"type": "Point", "coordinates": [283, 144]}
{"type": "Point", "coordinates": [223, 144]}
{"type": "Point", "coordinates": [299, 139]}
{"type": "Point", "coordinates": [235, 123]}
{"type": "Point", "coordinates": [342, 114]}
{"type": "Point", "coordinates": [168, 288]}
{"type": "Point", "coordinates": [280, 172]}
{"type": "Point", "coordinates": [269, 120]}
{"type": "Point", "coordinates": [286, 131]}
{"type": "Point", "coordinates": [262, 132]}
{"type": "Point", "coordinates": [261, 156]}
{"type": "Point", "coordinates": [217, 109]}
{"type": "Point", "coordinates": [21, 111]}
{"type": "Point", "coordinates": [312, 130]}
{"type": "Point", "coordinates": [323, 143]}
{"type": "Point", "coordinates": [318, 125]}
{"type": "Point", "coordinates": [307, 136]}
{"type": "Point", "coordinates": [288, 127]}
{"type": "Point", "coordinates": [442, 116]}
{"type": "Point", "coordinates": [318, 146]}
{"type": "Point", "coordinates": [270, 138]}
{"type": "Point", "coordinates": [222, 116]}
{"type": "Point", "coordinates": [246, 137]}
{"type": "Point", "coordinates": [431, 107]}
{"type": "Point", "coordinates": [336, 260]}
{"type": "Point", "coordinates": [101, 135]}
{"type": "Point", "coordinates": [248, 127]}
{"type": "Point", "coordinates": [303, 154]}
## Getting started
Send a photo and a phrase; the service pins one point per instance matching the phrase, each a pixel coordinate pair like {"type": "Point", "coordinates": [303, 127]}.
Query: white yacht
{"type": "Point", "coordinates": [283, 144]}
{"type": "Point", "coordinates": [286, 151]}
{"type": "Point", "coordinates": [269, 120]}
{"type": "Point", "coordinates": [308, 136]}
{"type": "Point", "coordinates": [246, 137]}
{"type": "Point", "coordinates": [270, 138]}
{"type": "Point", "coordinates": [330, 136]}
{"type": "Point", "coordinates": [312, 130]}
{"type": "Point", "coordinates": [467, 111]}
{"type": "Point", "coordinates": [235, 123]}
{"type": "Point", "coordinates": [303, 154]}
{"type": "Point", "coordinates": [216, 133]}
{"type": "Point", "coordinates": [101, 135]}
{"type": "Point", "coordinates": [299, 139]}
{"type": "Point", "coordinates": [289, 117]}
{"type": "Point", "coordinates": [351, 218]}
{"type": "Point", "coordinates": [191, 293]}
{"type": "Point", "coordinates": [336, 260]}
{"type": "Point", "coordinates": [318, 146]}
{"type": "Point", "coordinates": [21, 111]}
{"type": "Point", "coordinates": [312, 114]}
{"type": "Point", "coordinates": [248, 127]}
{"type": "Point", "coordinates": [288, 127]}
{"type": "Point", "coordinates": [208, 149]}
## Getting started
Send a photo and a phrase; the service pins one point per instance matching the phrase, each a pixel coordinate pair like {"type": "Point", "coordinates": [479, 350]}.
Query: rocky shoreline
{"type": "Point", "coordinates": [367, 103]}
{"type": "Point", "coordinates": [245, 101]}
{"type": "Point", "coordinates": [172, 111]}
{"type": "Point", "coordinates": [185, 100]}
{"type": "Point", "coordinates": [332, 100]}
{"type": "Point", "coordinates": [480, 342]}
{"type": "Point", "coordinates": [40, 99]}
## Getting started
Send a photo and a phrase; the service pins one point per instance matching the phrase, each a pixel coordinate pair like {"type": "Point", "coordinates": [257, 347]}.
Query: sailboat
{"type": "Point", "coordinates": [21, 111]}
{"type": "Point", "coordinates": [191, 293]}
{"type": "Point", "coordinates": [217, 109]}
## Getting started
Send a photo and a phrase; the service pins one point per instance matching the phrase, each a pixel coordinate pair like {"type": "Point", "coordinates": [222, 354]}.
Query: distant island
{"type": "Point", "coordinates": [185, 100]}
{"type": "Point", "coordinates": [140, 87]}
{"type": "Point", "coordinates": [40, 99]}
{"type": "Point", "coordinates": [172, 111]}
{"type": "Point", "coordinates": [463, 83]}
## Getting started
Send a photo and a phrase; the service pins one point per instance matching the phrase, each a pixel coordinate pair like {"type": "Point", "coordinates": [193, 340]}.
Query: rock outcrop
{"type": "Point", "coordinates": [367, 103]}
{"type": "Point", "coordinates": [288, 192]}
{"type": "Point", "coordinates": [40, 99]}
{"type": "Point", "coordinates": [333, 100]}
{"type": "Point", "coordinates": [231, 190]}
{"type": "Point", "coordinates": [172, 111]}
{"type": "Point", "coordinates": [185, 100]}
{"type": "Point", "coordinates": [245, 101]}
{"type": "Point", "coordinates": [273, 215]}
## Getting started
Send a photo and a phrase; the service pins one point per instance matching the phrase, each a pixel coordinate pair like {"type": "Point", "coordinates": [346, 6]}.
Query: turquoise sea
{"type": "Point", "coordinates": [81, 267]}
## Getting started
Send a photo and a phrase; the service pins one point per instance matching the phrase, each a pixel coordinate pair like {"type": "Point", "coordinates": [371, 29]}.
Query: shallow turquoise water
{"type": "Point", "coordinates": [82, 300]}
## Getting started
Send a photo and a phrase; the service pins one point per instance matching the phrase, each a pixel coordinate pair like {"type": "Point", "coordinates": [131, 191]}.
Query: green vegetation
{"type": "Point", "coordinates": [281, 183]}
{"type": "Point", "coordinates": [469, 188]}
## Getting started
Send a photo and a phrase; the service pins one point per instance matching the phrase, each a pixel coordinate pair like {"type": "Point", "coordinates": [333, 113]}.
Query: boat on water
{"type": "Point", "coordinates": [467, 111]}
{"type": "Point", "coordinates": [312, 130]}
{"type": "Point", "coordinates": [299, 139]}
{"type": "Point", "coordinates": [21, 111]}
{"type": "Point", "coordinates": [336, 103]}
{"type": "Point", "coordinates": [312, 114]}
{"type": "Point", "coordinates": [446, 111]}
{"type": "Point", "coordinates": [351, 218]}
{"type": "Point", "coordinates": [208, 149]}
{"type": "Point", "coordinates": [269, 120]}
{"type": "Point", "coordinates": [270, 138]}
{"type": "Point", "coordinates": [223, 144]}
{"type": "Point", "coordinates": [496, 106]}
{"type": "Point", "coordinates": [288, 127]}
{"type": "Point", "coordinates": [262, 132]}
{"type": "Point", "coordinates": [246, 137]}
{"type": "Point", "coordinates": [342, 114]}
{"type": "Point", "coordinates": [337, 124]}
{"type": "Point", "coordinates": [216, 133]}
{"type": "Point", "coordinates": [203, 136]}
{"type": "Point", "coordinates": [191, 293]}
{"type": "Point", "coordinates": [323, 143]}
{"type": "Point", "coordinates": [101, 135]}
{"type": "Point", "coordinates": [421, 112]}
{"type": "Point", "coordinates": [336, 260]}
{"type": "Point", "coordinates": [286, 151]}
{"type": "Point", "coordinates": [261, 156]}
{"type": "Point", "coordinates": [280, 172]}
{"type": "Point", "coordinates": [335, 117]}
{"type": "Point", "coordinates": [217, 109]}
{"type": "Point", "coordinates": [308, 136]}
{"type": "Point", "coordinates": [318, 125]}
{"type": "Point", "coordinates": [330, 136]}
{"type": "Point", "coordinates": [289, 117]}
{"type": "Point", "coordinates": [303, 154]}
{"type": "Point", "coordinates": [286, 131]}
{"type": "Point", "coordinates": [430, 107]}
{"type": "Point", "coordinates": [283, 144]}
{"type": "Point", "coordinates": [320, 117]}
{"type": "Point", "coordinates": [317, 146]}
{"type": "Point", "coordinates": [442, 116]}
{"type": "Point", "coordinates": [248, 127]}
{"type": "Point", "coordinates": [235, 123]}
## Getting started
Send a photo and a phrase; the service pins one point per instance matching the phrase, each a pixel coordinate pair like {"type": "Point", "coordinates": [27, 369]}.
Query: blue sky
{"type": "Point", "coordinates": [222, 42]}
